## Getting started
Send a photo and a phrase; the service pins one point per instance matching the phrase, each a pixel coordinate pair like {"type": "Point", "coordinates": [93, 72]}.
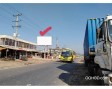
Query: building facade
{"type": "Point", "coordinates": [15, 47]}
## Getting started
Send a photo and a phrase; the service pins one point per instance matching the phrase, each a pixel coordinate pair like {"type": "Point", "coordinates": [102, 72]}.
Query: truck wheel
{"type": "Point", "coordinates": [85, 63]}
{"type": "Point", "coordinates": [99, 74]}
{"type": "Point", "coordinates": [91, 69]}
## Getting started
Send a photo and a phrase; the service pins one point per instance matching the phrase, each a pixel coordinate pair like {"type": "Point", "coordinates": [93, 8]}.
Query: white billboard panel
{"type": "Point", "coordinates": [44, 40]}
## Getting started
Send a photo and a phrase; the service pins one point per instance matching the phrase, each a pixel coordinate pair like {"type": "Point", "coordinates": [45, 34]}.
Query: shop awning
{"type": "Point", "coordinates": [17, 48]}
{"type": "Point", "coordinates": [2, 48]}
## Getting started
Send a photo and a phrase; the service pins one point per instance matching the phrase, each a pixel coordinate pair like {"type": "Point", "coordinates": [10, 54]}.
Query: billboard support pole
{"type": "Point", "coordinates": [44, 52]}
{"type": "Point", "coordinates": [44, 41]}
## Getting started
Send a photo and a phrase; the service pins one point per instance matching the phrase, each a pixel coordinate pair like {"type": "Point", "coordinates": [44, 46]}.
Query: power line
{"type": "Point", "coordinates": [29, 24]}
{"type": "Point", "coordinates": [6, 10]}
{"type": "Point", "coordinates": [8, 6]}
{"type": "Point", "coordinates": [26, 27]}
{"type": "Point", "coordinates": [13, 9]}
{"type": "Point", "coordinates": [26, 20]}
{"type": "Point", "coordinates": [23, 15]}
{"type": "Point", "coordinates": [5, 17]}
{"type": "Point", "coordinates": [32, 21]}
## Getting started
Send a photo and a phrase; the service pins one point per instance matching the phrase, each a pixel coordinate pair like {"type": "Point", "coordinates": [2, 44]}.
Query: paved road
{"type": "Point", "coordinates": [51, 73]}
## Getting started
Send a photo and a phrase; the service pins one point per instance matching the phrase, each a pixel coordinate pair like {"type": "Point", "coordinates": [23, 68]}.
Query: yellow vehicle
{"type": "Point", "coordinates": [67, 55]}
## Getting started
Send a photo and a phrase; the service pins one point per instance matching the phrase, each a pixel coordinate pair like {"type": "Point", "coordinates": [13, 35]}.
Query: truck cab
{"type": "Point", "coordinates": [103, 51]}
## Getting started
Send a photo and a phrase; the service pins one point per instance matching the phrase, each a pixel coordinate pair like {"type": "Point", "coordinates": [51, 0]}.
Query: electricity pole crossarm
{"type": "Point", "coordinates": [17, 26]}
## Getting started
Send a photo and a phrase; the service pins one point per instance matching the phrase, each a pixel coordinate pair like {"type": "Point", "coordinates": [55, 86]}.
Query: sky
{"type": "Point", "coordinates": [68, 21]}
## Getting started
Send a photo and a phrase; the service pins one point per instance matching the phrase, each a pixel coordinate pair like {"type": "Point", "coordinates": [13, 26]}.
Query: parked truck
{"type": "Point", "coordinates": [98, 48]}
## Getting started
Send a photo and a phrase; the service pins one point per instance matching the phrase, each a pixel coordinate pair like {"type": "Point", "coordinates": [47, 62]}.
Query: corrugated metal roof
{"type": "Point", "coordinates": [10, 37]}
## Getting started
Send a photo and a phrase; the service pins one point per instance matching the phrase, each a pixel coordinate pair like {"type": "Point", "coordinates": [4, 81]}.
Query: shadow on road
{"type": "Point", "coordinates": [75, 74]}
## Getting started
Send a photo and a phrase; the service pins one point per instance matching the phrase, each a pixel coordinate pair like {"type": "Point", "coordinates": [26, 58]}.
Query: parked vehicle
{"type": "Point", "coordinates": [98, 48]}
{"type": "Point", "coordinates": [67, 55]}
{"type": "Point", "coordinates": [90, 39]}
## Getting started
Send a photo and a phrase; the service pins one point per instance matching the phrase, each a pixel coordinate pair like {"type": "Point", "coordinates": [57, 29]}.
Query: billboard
{"type": "Point", "coordinates": [44, 40]}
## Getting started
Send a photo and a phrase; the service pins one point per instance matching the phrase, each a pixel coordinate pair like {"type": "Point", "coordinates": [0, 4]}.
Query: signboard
{"type": "Point", "coordinates": [44, 40]}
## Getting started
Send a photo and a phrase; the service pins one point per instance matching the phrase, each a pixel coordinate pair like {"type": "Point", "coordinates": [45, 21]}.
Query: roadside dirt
{"type": "Point", "coordinates": [79, 75]}
{"type": "Point", "coordinates": [20, 63]}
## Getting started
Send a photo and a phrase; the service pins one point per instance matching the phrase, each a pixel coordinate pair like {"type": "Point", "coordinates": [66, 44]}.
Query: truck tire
{"type": "Point", "coordinates": [91, 69]}
{"type": "Point", "coordinates": [85, 63]}
{"type": "Point", "coordinates": [99, 74]}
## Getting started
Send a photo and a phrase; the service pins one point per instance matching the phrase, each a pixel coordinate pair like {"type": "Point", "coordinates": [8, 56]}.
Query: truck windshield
{"type": "Point", "coordinates": [110, 29]}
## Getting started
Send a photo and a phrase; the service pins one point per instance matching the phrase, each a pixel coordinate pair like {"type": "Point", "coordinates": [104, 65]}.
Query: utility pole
{"type": "Point", "coordinates": [17, 26]}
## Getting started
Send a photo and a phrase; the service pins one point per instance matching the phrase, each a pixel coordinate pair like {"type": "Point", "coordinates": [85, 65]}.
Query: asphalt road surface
{"type": "Point", "coordinates": [48, 74]}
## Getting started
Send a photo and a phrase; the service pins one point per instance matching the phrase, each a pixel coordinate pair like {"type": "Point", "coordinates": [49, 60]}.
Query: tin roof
{"type": "Point", "coordinates": [18, 39]}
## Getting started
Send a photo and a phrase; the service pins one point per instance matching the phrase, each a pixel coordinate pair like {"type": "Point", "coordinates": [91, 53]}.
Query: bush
{"type": "Point", "coordinates": [24, 58]}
